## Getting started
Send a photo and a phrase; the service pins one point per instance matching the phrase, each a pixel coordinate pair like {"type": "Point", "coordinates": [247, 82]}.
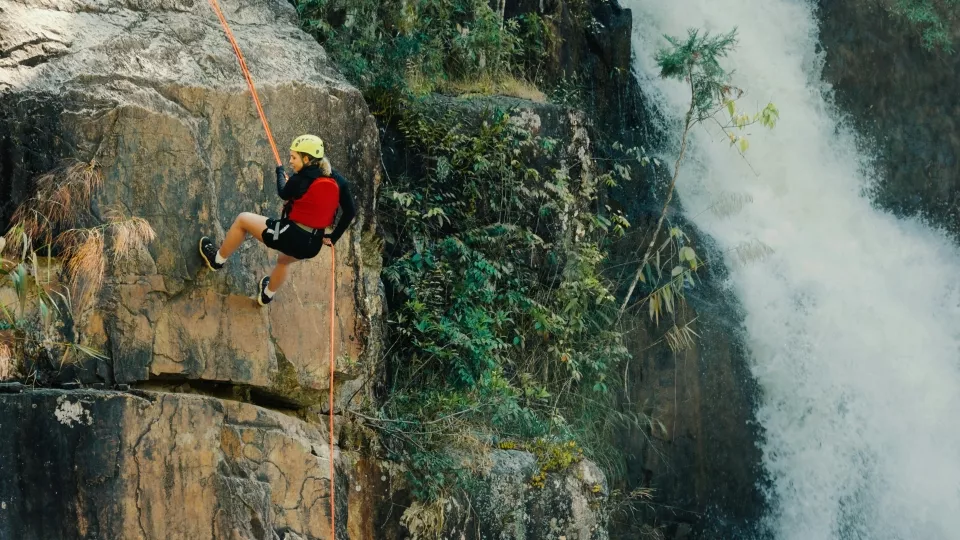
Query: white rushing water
{"type": "Point", "coordinates": [852, 321]}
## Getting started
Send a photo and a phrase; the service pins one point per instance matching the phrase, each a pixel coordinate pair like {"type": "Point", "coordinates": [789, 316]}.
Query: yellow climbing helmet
{"type": "Point", "coordinates": [308, 144]}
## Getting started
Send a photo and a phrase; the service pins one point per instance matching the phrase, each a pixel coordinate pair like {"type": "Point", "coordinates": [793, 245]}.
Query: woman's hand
{"type": "Point", "coordinates": [327, 242]}
{"type": "Point", "coordinates": [281, 181]}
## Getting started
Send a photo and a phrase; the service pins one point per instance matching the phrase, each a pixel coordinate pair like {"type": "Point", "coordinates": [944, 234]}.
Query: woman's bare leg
{"type": "Point", "coordinates": [279, 274]}
{"type": "Point", "coordinates": [246, 223]}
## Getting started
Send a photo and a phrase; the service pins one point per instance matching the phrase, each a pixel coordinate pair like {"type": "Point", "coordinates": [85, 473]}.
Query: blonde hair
{"type": "Point", "coordinates": [326, 169]}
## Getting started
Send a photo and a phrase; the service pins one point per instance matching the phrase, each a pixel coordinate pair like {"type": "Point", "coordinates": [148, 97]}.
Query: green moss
{"type": "Point", "coordinates": [371, 249]}
{"type": "Point", "coordinates": [552, 457]}
{"type": "Point", "coordinates": [286, 383]}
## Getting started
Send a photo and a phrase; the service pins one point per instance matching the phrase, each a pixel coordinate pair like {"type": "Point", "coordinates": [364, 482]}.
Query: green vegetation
{"type": "Point", "coordinates": [504, 329]}
{"type": "Point", "coordinates": [500, 315]}
{"type": "Point", "coordinates": [428, 45]}
{"type": "Point", "coordinates": [935, 20]}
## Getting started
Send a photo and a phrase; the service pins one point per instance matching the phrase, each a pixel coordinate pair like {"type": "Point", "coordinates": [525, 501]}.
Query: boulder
{"type": "Point", "coordinates": [505, 504]}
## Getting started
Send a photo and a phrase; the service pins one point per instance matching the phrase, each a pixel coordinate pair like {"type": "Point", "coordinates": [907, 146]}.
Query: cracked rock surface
{"type": "Point", "coordinates": [150, 465]}
{"type": "Point", "coordinates": [152, 91]}
{"type": "Point", "coordinates": [157, 465]}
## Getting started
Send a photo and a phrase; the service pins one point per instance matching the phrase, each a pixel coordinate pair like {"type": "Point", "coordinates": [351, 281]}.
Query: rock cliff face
{"type": "Point", "coordinates": [159, 465]}
{"type": "Point", "coordinates": [702, 454]}
{"type": "Point", "coordinates": [903, 100]}
{"type": "Point", "coordinates": [151, 91]}
{"type": "Point", "coordinates": [162, 466]}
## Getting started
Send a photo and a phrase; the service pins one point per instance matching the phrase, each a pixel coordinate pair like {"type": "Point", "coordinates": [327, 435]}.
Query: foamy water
{"type": "Point", "coordinates": [852, 321]}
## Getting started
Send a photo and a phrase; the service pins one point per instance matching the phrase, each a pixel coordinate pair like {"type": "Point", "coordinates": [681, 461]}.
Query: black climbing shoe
{"type": "Point", "coordinates": [209, 253]}
{"type": "Point", "coordinates": [262, 297]}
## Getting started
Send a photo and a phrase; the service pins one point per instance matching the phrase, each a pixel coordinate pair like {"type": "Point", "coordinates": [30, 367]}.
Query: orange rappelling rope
{"type": "Point", "coordinates": [333, 268]}
{"type": "Point", "coordinates": [333, 298]}
{"type": "Point", "coordinates": [246, 75]}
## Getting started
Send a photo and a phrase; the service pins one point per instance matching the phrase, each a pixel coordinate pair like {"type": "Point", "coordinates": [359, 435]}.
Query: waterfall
{"type": "Point", "coordinates": [852, 319]}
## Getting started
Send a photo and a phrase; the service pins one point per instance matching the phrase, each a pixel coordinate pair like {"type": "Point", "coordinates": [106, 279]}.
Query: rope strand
{"type": "Point", "coordinates": [249, 79]}
{"type": "Point", "coordinates": [333, 297]}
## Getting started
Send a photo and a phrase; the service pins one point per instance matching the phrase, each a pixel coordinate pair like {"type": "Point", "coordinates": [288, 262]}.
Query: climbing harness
{"type": "Point", "coordinates": [276, 233]}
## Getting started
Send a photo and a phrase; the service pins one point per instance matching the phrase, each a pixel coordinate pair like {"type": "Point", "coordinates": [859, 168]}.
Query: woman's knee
{"type": "Point", "coordinates": [246, 221]}
{"type": "Point", "coordinates": [285, 259]}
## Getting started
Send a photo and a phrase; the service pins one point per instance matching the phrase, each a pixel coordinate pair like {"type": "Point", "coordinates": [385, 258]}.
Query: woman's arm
{"type": "Point", "coordinates": [347, 208]}
{"type": "Point", "coordinates": [281, 181]}
{"type": "Point", "coordinates": [294, 188]}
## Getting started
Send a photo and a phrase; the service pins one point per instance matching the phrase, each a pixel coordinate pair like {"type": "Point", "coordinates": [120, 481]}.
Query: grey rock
{"type": "Point", "coordinates": [505, 505]}
{"type": "Point", "coordinates": [11, 388]}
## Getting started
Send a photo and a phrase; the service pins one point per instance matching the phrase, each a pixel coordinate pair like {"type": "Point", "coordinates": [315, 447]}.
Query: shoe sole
{"type": "Point", "coordinates": [260, 294]}
{"type": "Point", "coordinates": [204, 257]}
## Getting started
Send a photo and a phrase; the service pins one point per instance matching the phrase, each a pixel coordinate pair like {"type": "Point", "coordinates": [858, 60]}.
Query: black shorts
{"type": "Point", "coordinates": [288, 238]}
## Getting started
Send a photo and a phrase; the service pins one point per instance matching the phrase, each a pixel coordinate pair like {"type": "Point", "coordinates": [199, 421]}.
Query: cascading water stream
{"type": "Point", "coordinates": [852, 320]}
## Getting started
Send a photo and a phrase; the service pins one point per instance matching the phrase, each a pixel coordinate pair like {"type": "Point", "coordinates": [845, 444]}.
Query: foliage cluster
{"type": "Point", "coordinates": [419, 46]}
{"type": "Point", "coordinates": [934, 20]}
{"type": "Point", "coordinates": [500, 313]}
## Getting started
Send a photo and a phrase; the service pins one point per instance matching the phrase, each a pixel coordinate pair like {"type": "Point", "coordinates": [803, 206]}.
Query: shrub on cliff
{"type": "Point", "coordinates": [934, 20]}
{"type": "Point", "coordinates": [501, 319]}
{"type": "Point", "coordinates": [427, 45]}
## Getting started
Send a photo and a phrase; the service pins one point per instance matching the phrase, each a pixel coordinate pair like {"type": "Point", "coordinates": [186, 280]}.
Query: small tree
{"type": "Point", "coordinates": [695, 60]}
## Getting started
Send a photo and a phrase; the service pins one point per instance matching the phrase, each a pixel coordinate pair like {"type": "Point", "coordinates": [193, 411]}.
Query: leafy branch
{"type": "Point", "coordinates": [696, 61]}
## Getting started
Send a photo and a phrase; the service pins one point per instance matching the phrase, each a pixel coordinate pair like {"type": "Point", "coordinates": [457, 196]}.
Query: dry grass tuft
{"type": "Point", "coordinates": [8, 367]}
{"type": "Point", "coordinates": [502, 86]}
{"type": "Point", "coordinates": [85, 252]}
{"type": "Point", "coordinates": [129, 234]}
{"type": "Point", "coordinates": [62, 196]}
{"type": "Point", "coordinates": [62, 199]}
{"type": "Point", "coordinates": [85, 262]}
{"type": "Point", "coordinates": [425, 520]}
{"type": "Point", "coordinates": [680, 338]}
{"type": "Point", "coordinates": [53, 217]}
